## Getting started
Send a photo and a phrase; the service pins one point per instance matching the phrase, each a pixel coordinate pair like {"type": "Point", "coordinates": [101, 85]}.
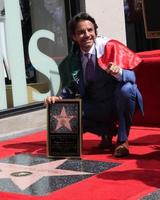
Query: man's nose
{"type": "Point", "coordinates": [86, 33]}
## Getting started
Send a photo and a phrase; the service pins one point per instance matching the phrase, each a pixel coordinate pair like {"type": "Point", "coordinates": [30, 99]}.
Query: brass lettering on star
{"type": "Point", "coordinates": [21, 173]}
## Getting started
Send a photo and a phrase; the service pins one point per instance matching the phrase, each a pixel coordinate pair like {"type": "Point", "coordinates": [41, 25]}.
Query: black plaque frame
{"type": "Point", "coordinates": [151, 21]}
{"type": "Point", "coordinates": [64, 129]}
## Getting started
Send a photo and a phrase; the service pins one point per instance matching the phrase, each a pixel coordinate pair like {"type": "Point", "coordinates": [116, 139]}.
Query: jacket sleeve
{"type": "Point", "coordinates": [65, 72]}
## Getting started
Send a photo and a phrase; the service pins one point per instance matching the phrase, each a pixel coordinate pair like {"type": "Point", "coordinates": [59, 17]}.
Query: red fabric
{"type": "Point", "coordinates": [148, 79]}
{"type": "Point", "coordinates": [118, 54]}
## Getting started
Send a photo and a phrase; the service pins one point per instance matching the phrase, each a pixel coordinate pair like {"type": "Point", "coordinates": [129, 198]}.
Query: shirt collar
{"type": "Point", "coordinates": [91, 51]}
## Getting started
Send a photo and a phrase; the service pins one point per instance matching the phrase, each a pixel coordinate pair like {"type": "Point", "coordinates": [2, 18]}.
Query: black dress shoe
{"type": "Point", "coordinates": [106, 142]}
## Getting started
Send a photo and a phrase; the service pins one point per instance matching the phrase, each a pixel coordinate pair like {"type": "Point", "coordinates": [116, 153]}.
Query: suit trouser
{"type": "Point", "coordinates": [125, 97]}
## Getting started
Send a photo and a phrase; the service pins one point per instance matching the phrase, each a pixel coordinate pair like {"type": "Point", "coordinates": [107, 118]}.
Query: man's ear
{"type": "Point", "coordinates": [73, 37]}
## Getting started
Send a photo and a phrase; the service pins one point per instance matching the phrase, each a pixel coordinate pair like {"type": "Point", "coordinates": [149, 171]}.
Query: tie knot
{"type": "Point", "coordinates": [87, 55]}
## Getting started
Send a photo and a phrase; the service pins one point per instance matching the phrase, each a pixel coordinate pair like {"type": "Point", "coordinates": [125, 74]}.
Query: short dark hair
{"type": "Point", "coordinates": [80, 17]}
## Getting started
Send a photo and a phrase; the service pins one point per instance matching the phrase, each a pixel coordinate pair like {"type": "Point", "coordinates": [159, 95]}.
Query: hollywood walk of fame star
{"type": "Point", "coordinates": [24, 176]}
{"type": "Point", "coordinates": [63, 119]}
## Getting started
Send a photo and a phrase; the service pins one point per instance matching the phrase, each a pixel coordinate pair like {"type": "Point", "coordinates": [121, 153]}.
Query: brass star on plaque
{"type": "Point", "coordinates": [63, 119]}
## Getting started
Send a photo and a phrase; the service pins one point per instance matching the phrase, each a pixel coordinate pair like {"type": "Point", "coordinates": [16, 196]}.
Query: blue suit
{"type": "Point", "coordinates": [106, 102]}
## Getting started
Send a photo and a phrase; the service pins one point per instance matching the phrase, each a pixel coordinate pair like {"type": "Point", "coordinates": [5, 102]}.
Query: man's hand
{"type": "Point", "coordinates": [51, 99]}
{"type": "Point", "coordinates": [113, 69]}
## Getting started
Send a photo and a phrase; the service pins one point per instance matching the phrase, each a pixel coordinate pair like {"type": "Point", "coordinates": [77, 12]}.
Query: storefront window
{"type": "Point", "coordinates": [33, 43]}
{"type": "Point", "coordinates": [47, 15]}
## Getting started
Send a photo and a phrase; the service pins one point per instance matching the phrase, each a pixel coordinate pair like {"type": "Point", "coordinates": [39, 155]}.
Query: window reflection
{"type": "Point", "coordinates": [36, 15]}
{"type": "Point", "coordinates": [5, 64]}
{"type": "Point", "coordinates": [50, 15]}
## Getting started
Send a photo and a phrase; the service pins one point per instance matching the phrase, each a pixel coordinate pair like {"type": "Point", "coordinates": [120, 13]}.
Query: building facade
{"type": "Point", "coordinates": [33, 41]}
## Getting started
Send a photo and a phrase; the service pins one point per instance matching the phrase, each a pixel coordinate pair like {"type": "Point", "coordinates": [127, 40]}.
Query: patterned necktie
{"type": "Point", "coordinates": [89, 70]}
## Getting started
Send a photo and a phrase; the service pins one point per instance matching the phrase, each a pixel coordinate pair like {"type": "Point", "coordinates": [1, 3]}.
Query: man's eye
{"type": "Point", "coordinates": [81, 32]}
{"type": "Point", "coordinates": [90, 30]}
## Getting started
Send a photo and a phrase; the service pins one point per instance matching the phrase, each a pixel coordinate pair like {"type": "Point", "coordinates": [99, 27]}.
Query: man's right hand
{"type": "Point", "coordinates": [51, 99]}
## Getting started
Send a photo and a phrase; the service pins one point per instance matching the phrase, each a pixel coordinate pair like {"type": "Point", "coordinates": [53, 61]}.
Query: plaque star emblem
{"type": "Point", "coordinates": [63, 119]}
{"type": "Point", "coordinates": [24, 176]}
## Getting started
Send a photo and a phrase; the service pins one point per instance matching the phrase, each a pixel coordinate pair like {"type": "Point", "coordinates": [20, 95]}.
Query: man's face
{"type": "Point", "coordinates": [84, 35]}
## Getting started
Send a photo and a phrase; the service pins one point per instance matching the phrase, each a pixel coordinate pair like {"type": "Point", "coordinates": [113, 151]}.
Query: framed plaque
{"type": "Point", "coordinates": [64, 129]}
{"type": "Point", "coordinates": [151, 18]}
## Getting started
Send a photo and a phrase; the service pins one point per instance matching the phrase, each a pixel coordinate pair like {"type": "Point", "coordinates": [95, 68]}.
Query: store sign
{"type": "Point", "coordinates": [15, 53]}
{"type": "Point", "coordinates": [44, 64]}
